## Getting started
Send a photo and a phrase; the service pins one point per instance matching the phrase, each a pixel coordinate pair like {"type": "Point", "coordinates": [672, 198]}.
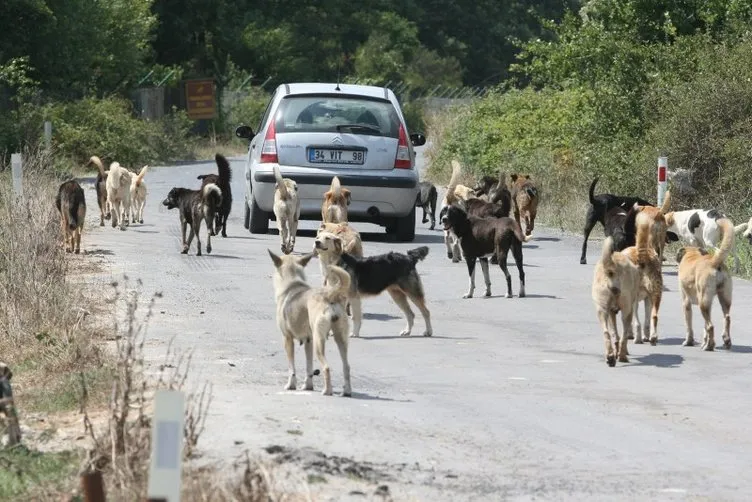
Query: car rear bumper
{"type": "Point", "coordinates": [376, 195]}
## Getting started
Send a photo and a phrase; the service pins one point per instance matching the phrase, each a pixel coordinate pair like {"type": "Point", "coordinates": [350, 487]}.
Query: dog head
{"type": "Point", "coordinates": [484, 185]}
{"type": "Point", "coordinates": [328, 243]}
{"type": "Point", "coordinates": [288, 268]}
{"type": "Point", "coordinates": [5, 372]}
{"type": "Point", "coordinates": [454, 218]}
{"type": "Point", "coordinates": [171, 201]}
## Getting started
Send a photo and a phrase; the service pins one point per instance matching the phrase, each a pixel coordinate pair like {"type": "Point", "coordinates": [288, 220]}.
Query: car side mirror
{"type": "Point", "coordinates": [417, 139]}
{"type": "Point", "coordinates": [244, 132]}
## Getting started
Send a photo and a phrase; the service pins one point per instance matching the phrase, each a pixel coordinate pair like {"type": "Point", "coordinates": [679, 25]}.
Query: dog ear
{"type": "Point", "coordinates": [337, 245]}
{"type": "Point", "coordinates": [348, 195]}
{"type": "Point", "coordinates": [276, 259]}
{"type": "Point", "coordinates": [527, 176]}
{"type": "Point", "coordinates": [303, 260]}
{"type": "Point", "coordinates": [5, 372]}
{"type": "Point", "coordinates": [513, 176]}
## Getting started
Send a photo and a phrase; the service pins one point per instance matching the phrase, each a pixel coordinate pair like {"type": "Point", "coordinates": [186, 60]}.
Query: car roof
{"type": "Point", "coordinates": [370, 91]}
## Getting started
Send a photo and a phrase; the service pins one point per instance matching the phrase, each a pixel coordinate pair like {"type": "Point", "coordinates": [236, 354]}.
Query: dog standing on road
{"type": "Point", "coordinates": [195, 206]}
{"type": "Point", "coordinates": [286, 210]}
{"type": "Point", "coordinates": [702, 277]}
{"type": "Point", "coordinates": [336, 201]}
{"type": "Point", "coordinates": [118, 193]}
{"type": "Point", "coordinates": [525, 198]}
{"type": "Point", "coordinates": [138, 196]}
{"type": "Point", "coordinates": [308, 315]}
{"type": "Point", "coordinates": [101, 188]}
{"type": "Point", "coordinates": [427, 197]}
{"type": "Point", "coordinates": [620, 225]}
{"type": "Point", "coordinates": [600, 205]}
{"type": "Point", "coordinates": [699, 228]}
{"type": "Point", "coordinates": [71, 204]}
{"type": "Point", "coordinates": [222, 180]}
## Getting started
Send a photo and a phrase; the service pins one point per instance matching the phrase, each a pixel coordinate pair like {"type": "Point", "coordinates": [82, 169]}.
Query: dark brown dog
{"type": "Point", "coordinates": [525, 200]}
{"type": "Point", "coordinates": [101, 186]}
{"type": "Point", "coordinates": [71, 204]}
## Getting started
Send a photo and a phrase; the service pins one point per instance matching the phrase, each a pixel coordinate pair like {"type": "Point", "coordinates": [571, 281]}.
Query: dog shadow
{"type": "Point", "coordinates": [546, 239]}
{"type": "Point", "coordinates": [550, 297]}
{"type": "Point", "coordinates": [227, 256]}
{"type": "Point", "coordinates": [526, 246]}
{"type": "Point", "coordinates": [101, 252]}
{"type": "Point", "coordinates": [659, 360]}
{"type": "Point", "coordinates": [415, 336]}
{"type": "Point", "coordinates": [374, 236]}
{"type": "Point", "coordinates": [368, 397]}
{"type": "Point", "coordinates": [138, 231]}
{"type": "Point", "coordinates": [671, 272]}
{"type": "Point", "coordinates": [380, 317]}
{"type": "Point", "coordinates": [741, 349]}
{"type": "Point", "coordinates": [670, 341]}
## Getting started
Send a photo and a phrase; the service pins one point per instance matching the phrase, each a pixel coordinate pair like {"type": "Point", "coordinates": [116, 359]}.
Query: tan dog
{"type": "Point", "coordinates": [651, 286]}
{"type": "Point", "coordinates": [138, 196]}
{"type": "Point", "coordinates": [701, 278]}
{"type": "Point", "coordinates": [658, 225]}
{"type": "Point", "coordinates": [525, 200]}
{"type": "Point", "coordinates": [286, 210]}
{"type": "Point", "coordinates": [307, 315]}
{"type": "Point", "coordinates": [343, 237]}
{"type": "Point", "coordinates": [616, 287]}
{"type": "Point", "coordinates": [118, 193]}
{"type": "Point", "coordinates": [336, 200]}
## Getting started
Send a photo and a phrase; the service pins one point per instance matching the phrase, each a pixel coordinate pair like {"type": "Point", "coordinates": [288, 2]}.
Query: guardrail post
{"type": "Point", "coordinates": [662, 183]}
{"type": "Point", "coordinates": [17, 168]}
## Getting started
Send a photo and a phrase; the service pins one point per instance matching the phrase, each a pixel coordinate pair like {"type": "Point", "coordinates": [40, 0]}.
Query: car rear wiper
{"type": "Point", "coordinates": [359, 126]}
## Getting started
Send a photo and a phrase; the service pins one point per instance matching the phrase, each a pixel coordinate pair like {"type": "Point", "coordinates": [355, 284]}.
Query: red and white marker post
{"type": "Point", "coordinates": [662, 179]}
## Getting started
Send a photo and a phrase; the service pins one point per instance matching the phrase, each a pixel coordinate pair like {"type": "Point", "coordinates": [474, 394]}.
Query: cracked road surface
{"type": "Point", "coordinates": [509, 400]}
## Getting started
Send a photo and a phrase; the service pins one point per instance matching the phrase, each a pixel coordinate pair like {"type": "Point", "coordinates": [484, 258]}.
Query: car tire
{"type": "Point", "coordinates": [405, 227]}
{"type": "Point", "coordinates": [247, 219]}
{"type": "Point", "coordinates": [259, 223]}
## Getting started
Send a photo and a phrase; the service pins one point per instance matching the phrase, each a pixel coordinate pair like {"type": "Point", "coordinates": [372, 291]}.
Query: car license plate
{"type": "Point", "coordinates": [332, 156]}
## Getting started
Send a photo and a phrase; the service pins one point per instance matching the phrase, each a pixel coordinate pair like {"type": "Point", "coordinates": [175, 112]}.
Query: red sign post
{"type": "Point", "coordinates": [662, 184]}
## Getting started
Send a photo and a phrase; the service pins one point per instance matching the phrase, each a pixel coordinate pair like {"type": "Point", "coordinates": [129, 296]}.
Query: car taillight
{"type": "Point", "coordinates": [403, 160]}
{"type": "Point", "coordinates": [269, 148]}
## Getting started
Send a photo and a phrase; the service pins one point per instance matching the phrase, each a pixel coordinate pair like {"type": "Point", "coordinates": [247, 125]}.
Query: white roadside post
{"type": "Point", "coordinates": [17, 171]}
{"type": "Point", "coordinates": [166, 446]}
{"type": "Point", "coordinates": [47, 134]}
{"type": "Point", "coordinates": [662, 183]}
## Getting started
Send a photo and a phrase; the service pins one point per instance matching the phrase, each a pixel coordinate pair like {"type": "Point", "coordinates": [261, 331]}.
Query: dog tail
{"type": "Point", "coordinates": [726, 244]}
{"type": "Point", "coordinates": [97, 162]}
{"type": "Point", "coordinates": [418, 254]}
{"type": "Point", "coordinates": [336, 187]}
{"type": "Point", "coordinates": [453, 182]}
{"type": "Point", "coordinates": [591, 193]}
{"type": "Point", "coordinates": [518, 233]}
{"type": "Point", "coordinates": [608, 251]}
{"type": "Point", "coordinates": [642, 240]}
{"type": "Point", "coordinates": [338, 288]}
{"type": "Point", "coordinates": [212, 195]}
{"type": "Point", "coordinates": [666, 202]}
{"type": "Point", "coordinates": [630, 227]}
{"type": "Point", "coordinates": [281, 183]}
{"type": "Point", "coordinates": [223, 168]}
{"type": "Point", "coordinates": [140, 176]}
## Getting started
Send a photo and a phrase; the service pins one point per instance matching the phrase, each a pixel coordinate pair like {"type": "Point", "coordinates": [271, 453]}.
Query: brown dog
{"type": "Point", "coordinates": [658, 225]}
{"type": "Point", "coordinates": [101, 187]}
{"type": "Point", "coordinates": [651, 286]}
{"type": "Point", "coordinates": [71, 204]}
{"type": "Point", "coordinates": [616, 287]}
{"type": "Point", "coordinates": [342, 237]}
{"type": "Point", "coordinates": [336, 200]}
{"type": "Point", "coordinates": [701, 278]}
{"type": "Point", "coordinates": [525, 200]}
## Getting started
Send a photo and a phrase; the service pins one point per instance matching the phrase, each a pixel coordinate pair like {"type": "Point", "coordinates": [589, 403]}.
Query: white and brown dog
{"type": "Point", "coordinates": [286, 210]}
{"type": "Point", "coordinates": [336, 201]}
{"type": "Point", "coordinates": [118, 193]}
{"type": "Point", "coordinates": [699, 228]}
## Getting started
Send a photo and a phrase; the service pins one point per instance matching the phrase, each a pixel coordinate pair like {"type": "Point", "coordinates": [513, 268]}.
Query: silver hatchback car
{"type": "Point", "coordinates": [315, 131]}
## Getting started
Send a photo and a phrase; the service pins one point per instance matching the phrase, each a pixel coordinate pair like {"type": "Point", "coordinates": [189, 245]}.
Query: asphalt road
{"type": "Point", "coordinates": [509, 400]}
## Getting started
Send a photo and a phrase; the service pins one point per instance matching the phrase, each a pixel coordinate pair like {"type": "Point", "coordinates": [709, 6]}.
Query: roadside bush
{"type": "Point", "coordinates": [414, 112]}
{"type": "Point", "coordinates": [244, 107]}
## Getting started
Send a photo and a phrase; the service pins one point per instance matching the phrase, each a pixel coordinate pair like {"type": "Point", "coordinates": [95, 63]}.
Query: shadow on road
{"type": "Point", "coordinates": [546, 239]}
{"type": "Point", "coordinates": [227, 256]}
{"type": "Point", "coordinates": [417, 335]}
{"type": "Point", "coordinates": [101, 252]}
{"type": "Point", "coordinates": [550, 297]}
{"type": "Point", "coordinates": [659, 360]}
{"type": "Point", "coordinates": [374, 236]}
{"type": "Point", "coordinates": [368, 397]}
{"type": "Point", "coordinates": [380, 317]}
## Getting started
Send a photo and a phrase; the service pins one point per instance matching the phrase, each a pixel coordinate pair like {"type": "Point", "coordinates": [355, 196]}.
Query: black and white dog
{"type": "Point", "coordinates": [195, 206]}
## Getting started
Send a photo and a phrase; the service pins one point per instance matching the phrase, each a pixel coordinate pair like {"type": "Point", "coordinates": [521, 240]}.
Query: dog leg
{"type": "Point", "coordinates": [292, 383]}
{"type": "Point", "coordinates": [626, 318]}
{"type": "Point", "coordinates": [471, 273]}
{"type": "Point", "coordinates": [198, 237]}
{"type": "Point", "coordinates": [517, 253]}
{"type": "Point", "coordinates": [507, 275]}
{"type": "Point", "coordinates": [400, 298]}
{"type": "Point", "coordinates": [208, 239]}
{"type": "Point", "coordinates": [114, 213]}
{"type": "Point", "coordinates": [183, 224]}
{"type": "Point", "coordinates": [486, 275]}
{"type": "Point", "coordinates": [603, 318]}
{"type": "Point", "coordinates": [309, 365]}
{"type": "Point", "coordinates": [293, 232]}
{"type": "Point", "coordinates": [709, 340]}
{"type": "Point", "coordinates": [433, 216]}
{"type": "Point", "coordinates": [655, 304]}
{"type": "Point", "coordinates": [319, 339]}
{"type": "Point", "coordinates": [636, 334]}
{"type": "Point", "coordinates": [724, 298]}
{"type": "Point", "coordinates": [689, 341]}
{"type": "Point", "coordinates": [357, 315]}
{"type": "Point", "coordinates": [340, 338]}
{"type": "Point", "coordinates": [590, 220]}
{"type": "Point", "coordinates": [420, 302]}
{"type": "Point", "coordinates": [78, 240]}
{"type": "Point", "coordinates": [282, 227]}
{"type": "Point", "coordinates": [224, 225]}
{"type": "Point", "coordinates": [425, 216]}
{"type": "Point", "coordinates": [188, 242]}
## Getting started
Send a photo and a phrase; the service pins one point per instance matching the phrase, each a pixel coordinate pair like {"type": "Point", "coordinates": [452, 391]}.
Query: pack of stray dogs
{"type": "Point", "coordinates": [480, 224]}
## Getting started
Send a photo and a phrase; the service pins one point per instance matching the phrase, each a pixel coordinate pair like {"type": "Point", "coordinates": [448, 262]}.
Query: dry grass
{"type": "Point", "coordinates": [43, 332]}
{"type": "Point", "coordinates": [208, 147]}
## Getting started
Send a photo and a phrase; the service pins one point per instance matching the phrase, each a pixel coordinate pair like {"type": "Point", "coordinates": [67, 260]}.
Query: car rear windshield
{"type": "Point", "coordinates": [327, 113]}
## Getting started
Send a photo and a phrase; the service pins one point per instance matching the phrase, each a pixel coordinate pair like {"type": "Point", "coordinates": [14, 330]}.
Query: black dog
{"type": "Point", "coordinates": [71, 204]}
{"type": "Point", "coordinates": [481, 237]}
{"type": "Point", "coordinates": [223, 182]}
{"type": "Point", "coordinates": [195, 206]}
{"type": "Point", "coordinates": [393, 272]}
{"type": "Point", "coordinates": [427, 197]}
{"type": "Point", "coordinates": [600, 205]}
{"type": "Point", "coordinates": [620, 225]}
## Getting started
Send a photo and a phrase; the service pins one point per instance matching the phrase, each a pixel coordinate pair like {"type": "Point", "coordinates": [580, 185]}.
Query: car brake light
{"type": "Point", "coordinates": [269, 148]}
{"type": "Point", "coordinates": [403, 160]}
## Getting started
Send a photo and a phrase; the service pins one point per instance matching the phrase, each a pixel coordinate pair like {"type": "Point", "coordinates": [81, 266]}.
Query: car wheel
{"type": "Point", "coordinates": [247, 219]}
{"type": "Point", "coordinates": [259, 223]}
{"type": "Point", "coordinates": [405, 227]}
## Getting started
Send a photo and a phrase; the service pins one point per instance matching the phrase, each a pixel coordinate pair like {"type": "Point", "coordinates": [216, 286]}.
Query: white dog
{"type": "Point", "coordinates": [286, 210]}
{"type": "Point", "coordinates": [118, 193]}
{"type": "Point", "coordinates": [699, 228]}
{"type": "Point", "coordinates": [138, 196]}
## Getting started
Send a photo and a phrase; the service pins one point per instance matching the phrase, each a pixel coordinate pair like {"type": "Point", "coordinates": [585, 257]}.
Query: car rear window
{"type": "Point", "coordinates": [327, 113]}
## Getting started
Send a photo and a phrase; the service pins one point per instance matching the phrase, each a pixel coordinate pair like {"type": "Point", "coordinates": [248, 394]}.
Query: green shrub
{"type": "Point", "coordinates": [414, 116]}
{"type": "Point", "coordinates": [243, 107]}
